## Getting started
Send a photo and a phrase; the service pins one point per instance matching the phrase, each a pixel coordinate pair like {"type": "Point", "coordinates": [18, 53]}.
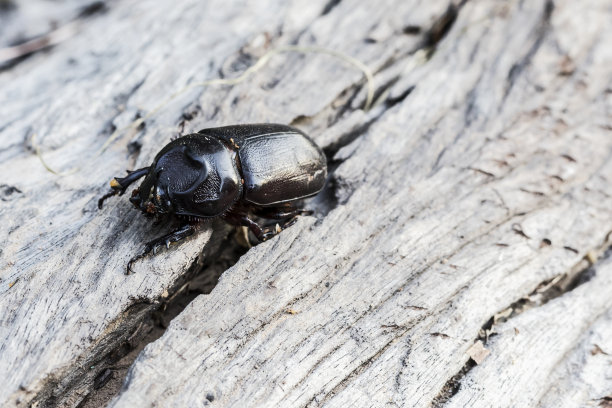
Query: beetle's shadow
{"type": "Point", "coordinates": [221, 252]}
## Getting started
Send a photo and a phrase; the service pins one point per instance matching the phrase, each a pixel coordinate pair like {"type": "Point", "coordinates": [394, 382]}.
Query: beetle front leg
{"type": "Point", "coordinates": [175, 236]}
{"type": "Point", "coordinates": [120, 184]}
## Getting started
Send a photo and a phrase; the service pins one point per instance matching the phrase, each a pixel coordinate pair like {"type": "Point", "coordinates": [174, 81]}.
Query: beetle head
{"type": "Point", "coordinates": [154, 204]}
{"type": "Point", "coordinates": [195, 175]}
{"type": "Point", "coordinates": [174, 171]}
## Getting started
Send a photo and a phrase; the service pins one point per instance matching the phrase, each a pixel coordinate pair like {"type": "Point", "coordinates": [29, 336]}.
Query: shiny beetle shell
{"type": "Point", "coordinates": [231, 172]}
{"type": "Point", "coordinates": [205, 173]}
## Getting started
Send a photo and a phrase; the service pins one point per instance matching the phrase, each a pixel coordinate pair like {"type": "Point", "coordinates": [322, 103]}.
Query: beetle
{"type": "Point", "coordinates": [232, 172]}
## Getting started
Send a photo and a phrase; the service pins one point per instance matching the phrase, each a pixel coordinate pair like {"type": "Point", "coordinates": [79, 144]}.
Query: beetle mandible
{"type": "Point", "coordinates": [231, 172]}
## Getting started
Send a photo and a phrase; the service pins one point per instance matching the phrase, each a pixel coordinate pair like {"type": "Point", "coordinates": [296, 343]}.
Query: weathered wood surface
{"type": "Point", "coordinates": [466, 206]}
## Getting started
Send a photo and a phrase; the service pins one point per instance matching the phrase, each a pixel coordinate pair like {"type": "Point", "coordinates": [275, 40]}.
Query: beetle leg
{"type": "Point", "coordinates": [290, 222]}
{"type": "Point", "coordinates": [287, 214]}
{"type": "Point", "coordinates": [241, 219]}
{"type": "Point", "coordinates": [120, 184]}
{"type": "Point", "coordinates": [105, 196]}
{"type": "Point", "coordinates": [260, 233]}
{"type": "Point", "coordinates": [175, 236]}
{"type": "Point", "coordinates": [280, 213]}
{"type": "Point", "coordinates": [269, 232]}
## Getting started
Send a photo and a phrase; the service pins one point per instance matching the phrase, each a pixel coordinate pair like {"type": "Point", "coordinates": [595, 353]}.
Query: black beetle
{"type": "Point", "coordinates": [229, 172]}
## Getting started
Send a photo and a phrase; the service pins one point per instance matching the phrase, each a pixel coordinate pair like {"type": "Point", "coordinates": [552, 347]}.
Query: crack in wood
{"type": "Point", "coordinates": [564, 357]}
{"type": "Point", "coordinates": [541, 32]}
{"type": "Point", "coordinates": [119, 348]}
{"type": "Point", "coordinates": [543, 293]}
{"type": "Point", "coordinates": [186, 118]}
{"type": "Point", "coordinates": [340, 110]}
{"type": "Point", "coordinates": [355, 372]}
{"type": "Point", "coordinates": [440, 28]}
{"type": "Point", "coordinates": [331, 4]}
{"type": "Point", "coordinates": [12, 56]}
{"type": "Point", "coordinates": [345, 382]}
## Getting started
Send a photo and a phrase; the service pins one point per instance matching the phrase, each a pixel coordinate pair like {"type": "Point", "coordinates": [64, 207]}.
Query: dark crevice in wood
{"type": "Point", "coordinates": [385, 88]}
{"type": "Point", "coordinates": [8, 193]}
{"type": "Point", "coordinates": [121, 99]}
{"type": "Point", "coordinates": [97, 7]}
{"type": "Point", "coordinates": [346, 139]}
{"type": "Point", "coordinates": [403, 329]}
{"type": "Point", "coordinates": [544, 292]}
{"type": "Point", "coordinates": [438, 30]}
{"type": "Point", "coordinates": [453, 385]}
{"type": "Point", "coordinates": [519, 66]}
{"type": "Point", "coordinates": [331, 4]}
{"type": "Point", "coordinates": [550, 289]}
{"type": "Point", "coordinates": [65, 388]}
{"type": "Point", "coordinates": [30, 46]}
{"type": "Point", "coordinates": [100, 375]}
{"type": "Point", "coordinates": [442, 25]}
{"type": "Point", "coordinates": [327, 200]}
{"type": "Point", "coordinates": [392, 101]}
{"type": "Point", "coordinates": [315, 400]}
{"type": "Point", "coordinates": [431, 37]}
{"type": "Point", "coordinates": [7, 5]}
{"type": "Point", "coordinates": [411, 30]}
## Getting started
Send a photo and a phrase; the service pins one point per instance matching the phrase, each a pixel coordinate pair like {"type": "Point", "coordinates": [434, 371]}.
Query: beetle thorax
{"type": "Point", "coordinates": [191, 177]}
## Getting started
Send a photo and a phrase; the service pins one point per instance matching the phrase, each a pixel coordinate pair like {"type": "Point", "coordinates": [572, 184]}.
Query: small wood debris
{"type": "Point", "coordinates": [503, 315]}
{"type": "Point", "coordinates": [605, 402]}
{"type": "Point", "coordinates": [517, 228]}
{"type": "Point", "coordinates": [478, 352]}
{"type": "Point", "coordinates": [598, 350]}
{"type": "Point", "coordinates": [591, 256]}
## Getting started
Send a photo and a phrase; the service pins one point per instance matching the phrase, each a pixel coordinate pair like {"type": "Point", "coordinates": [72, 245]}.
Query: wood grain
{"type": "Point", "coordinates": [472, 203]}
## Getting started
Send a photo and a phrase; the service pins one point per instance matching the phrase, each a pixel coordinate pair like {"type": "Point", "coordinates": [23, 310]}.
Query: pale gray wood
{"type": "Point", "coordinates": [488, 183]}
{"type": "Point", "coordinates": [21, 21]}
{"type": "Point", "coordinates": [443, 205]}
{"type": "Point", "coordinates": [566, 337]}
{"type": "Point", "coordinates": [65, 304]}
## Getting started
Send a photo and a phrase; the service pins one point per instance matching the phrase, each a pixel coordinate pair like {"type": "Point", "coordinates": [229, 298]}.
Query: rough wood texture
{"type": "Point", "coordinates": [473, 203]}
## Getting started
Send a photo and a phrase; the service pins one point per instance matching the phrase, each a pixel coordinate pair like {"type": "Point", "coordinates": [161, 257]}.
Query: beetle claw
{"type": "Point", "coordinates": [104, 197]}
{"type": "Point", "coordinates": [129, 269]}
{"type": "Point", "coordinates": [268, 233]}
{"type": "Point", "coordinates": [292, 221]}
